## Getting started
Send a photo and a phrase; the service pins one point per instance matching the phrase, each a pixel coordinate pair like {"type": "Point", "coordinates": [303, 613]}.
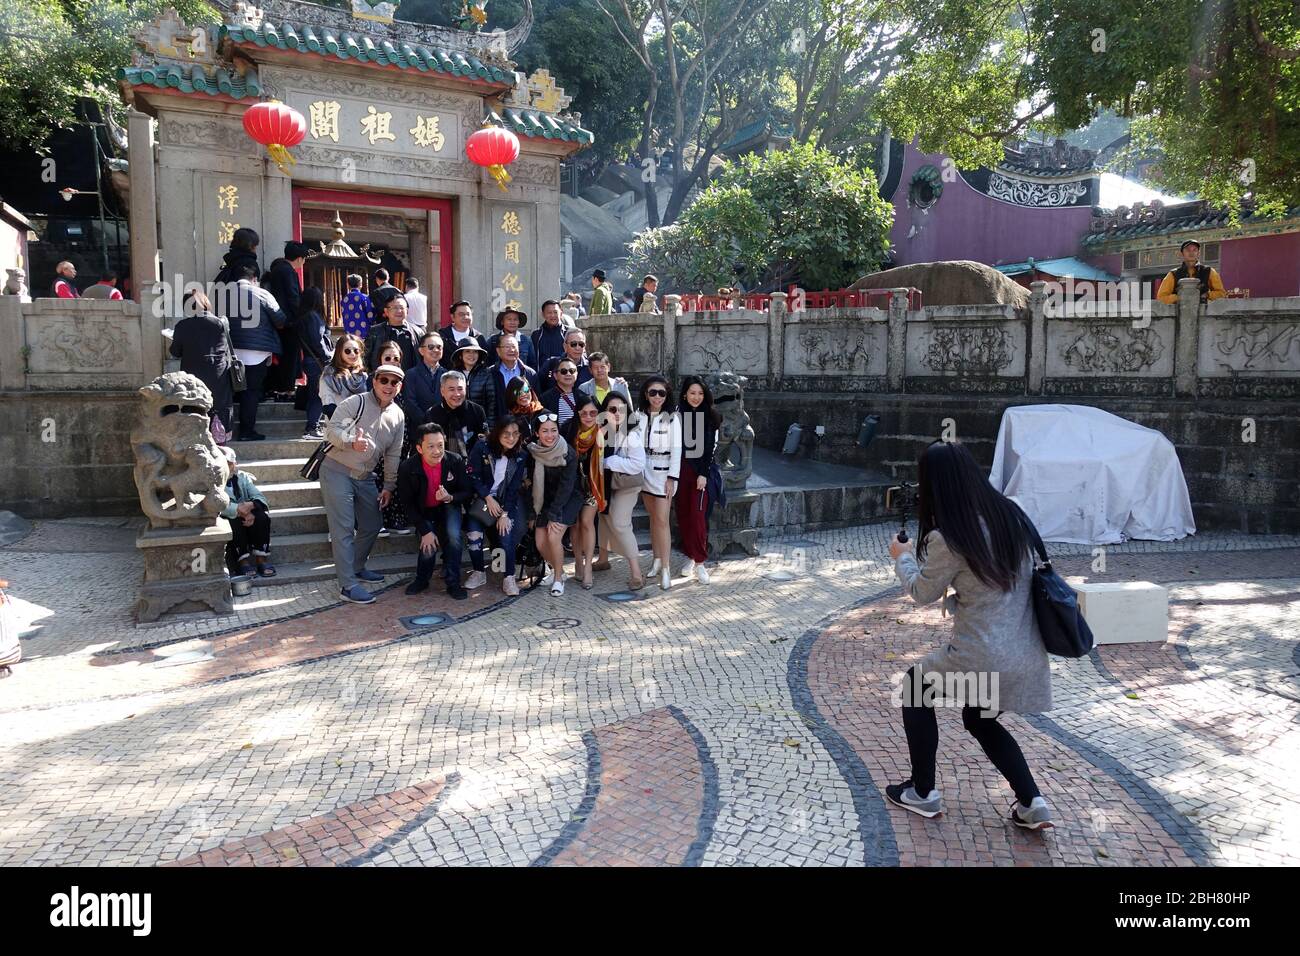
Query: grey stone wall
{"type": "Point", "coordinates": [67, 453]}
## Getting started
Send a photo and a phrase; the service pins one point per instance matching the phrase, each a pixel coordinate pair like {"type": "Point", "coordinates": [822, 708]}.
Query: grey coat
{"type": "Point", "coordinates": [993, 632]}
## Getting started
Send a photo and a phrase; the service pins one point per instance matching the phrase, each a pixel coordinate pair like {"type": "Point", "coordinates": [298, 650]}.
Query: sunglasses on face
{"type": "Point", "coordinates": [568, 371]}
{"type": "Point", "coordinates": [432, 348]}
{"type": "Point", "coordinates": [657, 393]}
{"type": "Point", "coordinates": [352, 351]}
{"type": "Point", "coordinates": [388, 380]}
{"type": "Point", "coordinates": [577, 345]}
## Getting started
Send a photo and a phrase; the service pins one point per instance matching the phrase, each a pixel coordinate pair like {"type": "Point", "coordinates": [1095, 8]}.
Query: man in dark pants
{"type": "Point", "coordinates": [434, 490]}
{"type": "Point", "coordinates": [285, 286]}
{"type": "Point", "coordinates": [253, 333]}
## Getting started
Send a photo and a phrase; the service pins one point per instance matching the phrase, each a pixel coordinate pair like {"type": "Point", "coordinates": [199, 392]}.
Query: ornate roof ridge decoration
{"type": "Point", "coordinates": [339, 249]}
{"type": "Point", "coordinates": [496, 45]}
{"type": "Point", "coordinates": [347, 45]}
{"type": "Point", "coordinates": [1060, 158]}
{"type": "Point", "coordinates": [1026, 192]}
{"type": "Point", "coordinates": [1142, 221]}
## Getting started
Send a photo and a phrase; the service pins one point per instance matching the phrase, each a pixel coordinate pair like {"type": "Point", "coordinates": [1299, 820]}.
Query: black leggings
{"type": "Point", "coordinates": [922, 731]}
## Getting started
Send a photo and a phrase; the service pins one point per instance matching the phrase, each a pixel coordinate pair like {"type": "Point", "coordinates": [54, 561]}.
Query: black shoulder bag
{"type": "Point", "coordinates": [311, 470]}
{"type": "Point", "coordinates": [1056, 607]}
{"type": "Point", "coordinates": [238, 374]}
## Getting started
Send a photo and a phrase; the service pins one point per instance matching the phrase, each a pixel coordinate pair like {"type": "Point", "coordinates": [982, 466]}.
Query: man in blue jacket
{"type": "Point", "coordinates": [422, 389]}
{"type": "Point", "coordinates": [548, 341]}
{"type": "Point", "coordinates": [254, 332]}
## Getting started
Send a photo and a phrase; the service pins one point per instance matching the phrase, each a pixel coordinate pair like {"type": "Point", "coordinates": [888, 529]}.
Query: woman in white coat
{"type": "Point", "coordinates": [624, 462]}
{"type": "Point", "coordinates": [663, 461]}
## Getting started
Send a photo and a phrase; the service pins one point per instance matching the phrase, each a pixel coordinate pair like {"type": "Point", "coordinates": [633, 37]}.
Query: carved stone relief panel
{"type": "Point", "coordinates": [1110, 348]}
{"type": "Point", "coordinates": [722, 348]}
{"type": "Point", "coordinates": [851, 348]}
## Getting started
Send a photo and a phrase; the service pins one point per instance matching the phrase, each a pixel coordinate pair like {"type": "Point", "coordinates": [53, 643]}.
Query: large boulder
{"type": "Point", "coordinates": [960, 282]}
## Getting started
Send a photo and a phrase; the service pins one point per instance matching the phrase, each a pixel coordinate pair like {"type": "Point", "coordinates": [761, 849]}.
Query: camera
{"type": "Point", "coordinates": [902, 499]}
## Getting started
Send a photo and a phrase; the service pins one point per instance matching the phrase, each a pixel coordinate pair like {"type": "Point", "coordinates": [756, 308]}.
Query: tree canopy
{"type": "Point", "coordinates": [1214, 85]}
{"type": "Point", "coordinates": [799, 214]}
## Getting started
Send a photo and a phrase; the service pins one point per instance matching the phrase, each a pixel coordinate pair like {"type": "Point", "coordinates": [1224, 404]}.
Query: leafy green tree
{"type": "Point", "coordinates": [797, 214]}
{"type": "Point", "coordinates": [1215, 86]}
{"type": "Point", "coordinates": [53, 52]}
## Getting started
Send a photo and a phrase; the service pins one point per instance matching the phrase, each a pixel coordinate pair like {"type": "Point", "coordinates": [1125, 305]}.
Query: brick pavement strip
{"type": "Point", "coordinates": [156, 772]}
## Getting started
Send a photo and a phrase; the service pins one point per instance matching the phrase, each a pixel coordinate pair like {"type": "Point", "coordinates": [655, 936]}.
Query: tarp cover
{"type": "Point", "coordinates": [1086, 476]}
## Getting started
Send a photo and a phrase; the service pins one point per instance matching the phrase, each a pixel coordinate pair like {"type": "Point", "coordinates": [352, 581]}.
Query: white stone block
{"type": "Point", "coordinates": [1129, 613]}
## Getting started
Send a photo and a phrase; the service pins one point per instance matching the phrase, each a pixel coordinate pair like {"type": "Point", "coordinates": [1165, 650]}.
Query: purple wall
{"type": "Point", "coordinates": [966, 224]}
{"type": "Point", "coordinates": [1266, 265]}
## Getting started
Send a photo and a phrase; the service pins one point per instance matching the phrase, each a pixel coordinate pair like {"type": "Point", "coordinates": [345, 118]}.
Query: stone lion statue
{"type": "Point", "coordinates": [729, 398]}
{"type": "Point", "coordinates": [180, 472]}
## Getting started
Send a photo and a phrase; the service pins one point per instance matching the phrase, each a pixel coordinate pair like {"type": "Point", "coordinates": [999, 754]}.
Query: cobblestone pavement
{"type": "Point", "coordinates": [746, 722]}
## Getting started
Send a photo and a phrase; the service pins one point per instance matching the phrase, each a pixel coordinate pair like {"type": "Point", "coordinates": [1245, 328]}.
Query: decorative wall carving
{"type": "Point", "coordinates": [540, 172]}
{"type": "Point", "coordinates": [835, 349]}
{"type": "Point", "coordinates": [1025, 192]}
{"type": "Point", "coordinates": [217, 132]}
{"type": "Point", "coordinates": [77, 344]}
{"type": "Point", "coordinates": [1245, 346]}
{"type": "Point", "coordinates": [1113, 348]}
{"type": "Point", "coordinates": [982, 350]}
{"type": "Point", "coordinates": [1131, 386]}
{"type": "Point", "coordinates": [741, 349]}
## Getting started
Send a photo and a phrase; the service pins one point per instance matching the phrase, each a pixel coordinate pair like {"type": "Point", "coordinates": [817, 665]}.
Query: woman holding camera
{"type": "Point", "coordinates": [978, 542]}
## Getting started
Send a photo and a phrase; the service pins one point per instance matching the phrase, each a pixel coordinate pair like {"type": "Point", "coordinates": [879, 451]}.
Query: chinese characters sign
{"type": "Point", "coordinates": [511, 235]}
{"type": "Point", "coordinates": [376, 125]}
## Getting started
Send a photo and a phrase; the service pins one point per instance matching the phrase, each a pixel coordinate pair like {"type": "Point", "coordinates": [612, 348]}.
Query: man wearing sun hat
{"type": "Point", "coordinates": [363, 429]}
{"type": "Point", "coordinates": [1211, 284]}
{"type": "Point", "coordinates": [509, 322]}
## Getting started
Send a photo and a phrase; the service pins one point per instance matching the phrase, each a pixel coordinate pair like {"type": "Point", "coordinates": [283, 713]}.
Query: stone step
{"type": "Point", "coordinates": [273, 470]}
{"type": "Point", "coordinates": [315, 547]}
{"type": "Point", "coordinates": [290, 494]}
{"type": "Point", "coordinates": [276, 410]}
{"type": "Point", "coordinates": [279, 428]}
{"type": "Point", "coordinates": [302, 520]}
{"type": "Point", "coordinates": [274, 448]}
{"type": "Point", "coordinates": [300, 572]}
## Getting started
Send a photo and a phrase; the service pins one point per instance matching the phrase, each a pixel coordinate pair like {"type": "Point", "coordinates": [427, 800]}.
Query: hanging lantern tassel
{"type": "Point", "coordinates": [282, 157]}
{"type": "Point", "coordinates": [500, 175]}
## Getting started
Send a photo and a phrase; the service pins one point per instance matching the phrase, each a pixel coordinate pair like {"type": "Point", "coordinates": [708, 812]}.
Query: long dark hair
{"type": "Point", "coordinates": [643, 400]}
{"type": "Point", "coordinates": [630, 418]}
{"type": "Point", "coordinates": [494, 436]}
{"type": "Point", "coordinates": [711, 414]}
{"type": "Point", "coordinates": [336, 362]}
{"type": "Point", "coordinates": [312, 300]}
{"type": "Point", "coordinates": [954, 495]}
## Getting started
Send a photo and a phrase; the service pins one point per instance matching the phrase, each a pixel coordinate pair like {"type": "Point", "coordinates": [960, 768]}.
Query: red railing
{"type": "Point", "coordinates": [797, 300]}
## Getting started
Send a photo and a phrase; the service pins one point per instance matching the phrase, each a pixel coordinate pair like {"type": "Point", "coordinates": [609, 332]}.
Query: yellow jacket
{"type": "Point", "coordinates": [1211, 289]}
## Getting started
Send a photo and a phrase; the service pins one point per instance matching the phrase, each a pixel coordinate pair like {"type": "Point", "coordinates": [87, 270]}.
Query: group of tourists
{"type": "Point", "coordinates": [518, 445]}
{"type": "Point", "coordinates": [505, 460]}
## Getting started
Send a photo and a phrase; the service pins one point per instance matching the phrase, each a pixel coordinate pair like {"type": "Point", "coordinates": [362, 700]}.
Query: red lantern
{"type": "Point", "coordinates": [495, 148]}
{"type": "Point", "coordinates": [277, 127]}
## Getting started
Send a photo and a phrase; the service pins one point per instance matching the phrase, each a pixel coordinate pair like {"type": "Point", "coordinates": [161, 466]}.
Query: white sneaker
{"type": "Point", "coordinates": [655, 568]}
{"type": "Point", "coordinates": [558, 587]}
{"type": "Point", "coordinates": [688, 568]}
{"type": "Point", "coordinates": [475, 581]}
{"type": "Point", "coordinates": [549, 578]}
{"type": "Point", "coordinates": [510, 586]}
{"type": "Point", "coordinates": [701, 575]}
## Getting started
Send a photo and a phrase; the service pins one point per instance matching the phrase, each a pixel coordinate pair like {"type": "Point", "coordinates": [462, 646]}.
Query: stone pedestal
{"type": "Point", "coordinates": [184, 570]}
{"type": "Point", "coordinates": [734, 524]}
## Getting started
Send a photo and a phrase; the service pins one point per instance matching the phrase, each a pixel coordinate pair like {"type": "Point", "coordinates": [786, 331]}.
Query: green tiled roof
{"type": "Point", "coordinates": [1200, 219]}
{"type": "Point", "coordinates": [193, 79]}
{"type": "Point", "coordinates": [343, 45]}
{"type": "Point", "coordinates": [533, 123]}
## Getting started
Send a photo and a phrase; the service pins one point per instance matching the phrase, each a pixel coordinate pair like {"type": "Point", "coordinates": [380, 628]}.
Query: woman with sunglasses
{"type": "Point", "coordinates": [497, 466]}
{"type": "Point", "coordinates": [623, 438]}
{"type": "Point", "coordinates": [700, 423]}
{"type": "Point", "coordinates": [663, 462]}
{"type": "Point", "coordinates": [523, 405]}
{"type": "Point", "coordinates": [557, 497]}
{"type": "Point", "coordinates": [345, 375]}
{"type": "Point", "coordinates": [395, 517]}
{"type": "Point", "coordinates": [583, 432]}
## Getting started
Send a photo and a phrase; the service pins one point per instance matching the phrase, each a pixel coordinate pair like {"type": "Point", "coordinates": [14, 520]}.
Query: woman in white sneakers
{"type": "Point", "coordinates": [624, 464]}
{"type": "Point", "coordinates": [663, 461]}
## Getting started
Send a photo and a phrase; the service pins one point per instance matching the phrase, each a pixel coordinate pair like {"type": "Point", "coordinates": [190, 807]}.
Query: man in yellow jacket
{"type": "Point", "coordinates": [1211, 284]}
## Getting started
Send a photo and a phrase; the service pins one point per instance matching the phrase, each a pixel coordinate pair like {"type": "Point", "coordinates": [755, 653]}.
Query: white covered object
{"type": "Point", "coordinates": [1089, 477]}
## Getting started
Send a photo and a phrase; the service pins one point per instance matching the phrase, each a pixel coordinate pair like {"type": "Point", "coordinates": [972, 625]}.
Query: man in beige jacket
{"type": "Point", "coordinates": [363, 429]}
